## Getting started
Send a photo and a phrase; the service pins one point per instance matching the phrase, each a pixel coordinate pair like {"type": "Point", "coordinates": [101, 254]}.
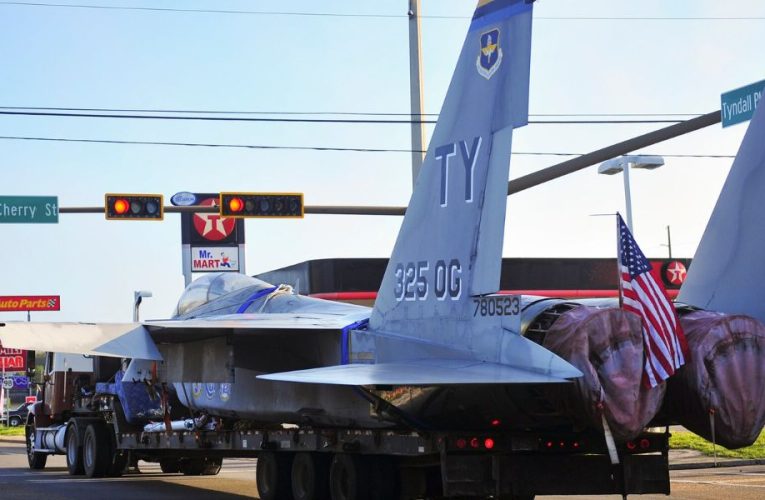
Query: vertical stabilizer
{"type": "Point", "coordinates": [728, 270]}
{"type": "Point", "coordinates": [449, 248]}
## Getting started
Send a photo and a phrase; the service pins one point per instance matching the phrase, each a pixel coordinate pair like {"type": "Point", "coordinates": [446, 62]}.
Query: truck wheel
{"type": "Point", "coordinates": [36, 460]}
{"type": "Point", "coordinates": [272, 474]}
{"type": "Point", "coordinates": [14, 421]}
{"type": "Point", "coordinates": [310, 476]}
{"type": "Point", "coordinates": [349, 478]}
{"type": "Point", "coordinates": [73, 452]}
{"type": "Point", "coordinates": [96, 450]}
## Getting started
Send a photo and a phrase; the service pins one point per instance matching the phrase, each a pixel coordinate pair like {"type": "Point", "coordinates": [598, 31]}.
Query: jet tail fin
{"type": "Point", "coordinates": [449, 248]}
{"type": "Point", "coordinates": [728, 271]}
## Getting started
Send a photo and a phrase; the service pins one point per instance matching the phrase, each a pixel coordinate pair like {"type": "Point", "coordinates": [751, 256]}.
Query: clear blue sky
{"type": "Point", "coordinates": [106, 58]}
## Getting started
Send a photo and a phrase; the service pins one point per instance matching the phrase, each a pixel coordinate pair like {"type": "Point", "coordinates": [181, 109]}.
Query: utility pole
{"type": "Point", "coordinates": [415, 90]}
{"type": "Point", "coordinates": [669, 243]}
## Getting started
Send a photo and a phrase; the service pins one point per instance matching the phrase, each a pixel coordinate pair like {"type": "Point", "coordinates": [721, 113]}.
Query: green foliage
{"type": "Point", "coordinates": [11, 431]}
{"type": "Point", "coordinates": [688, 440]}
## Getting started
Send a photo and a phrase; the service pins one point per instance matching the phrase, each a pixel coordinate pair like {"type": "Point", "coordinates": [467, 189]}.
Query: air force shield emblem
{"type": "Point", "coordinates": [490, 56]}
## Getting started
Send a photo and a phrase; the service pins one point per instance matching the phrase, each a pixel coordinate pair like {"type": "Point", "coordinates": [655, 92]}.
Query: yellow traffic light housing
{"type": "Point", "coordinates": [263, 205]}
{"type": "Point", "coordinates": [134, 206]}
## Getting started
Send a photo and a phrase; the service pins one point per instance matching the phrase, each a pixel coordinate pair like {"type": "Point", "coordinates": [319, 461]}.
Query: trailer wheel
{"type": "Point", "coordinates": [96, 450]}
{"type": "Point", "coordinates": [349, 478]}
{"type": "Point", "coordinates": [272, 474]}
{"type": "Point", "coordinates": [310, 476]}
{"type": "Point", "coordinates": [36, 460]}
{"type": "Point", "coordinates": [73, 452]}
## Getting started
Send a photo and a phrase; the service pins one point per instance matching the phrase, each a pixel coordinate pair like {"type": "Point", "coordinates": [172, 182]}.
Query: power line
{"type": "Point", "coordinates": [311, 113]}
{"type": "Point", "coordinates": [378, 16]}
{"type": "Point", "coordinates": [202, 11]}
{"type": "Point", "coordinates": [296, 148]}
{"type": "Point", "coordinates": [61, 114]}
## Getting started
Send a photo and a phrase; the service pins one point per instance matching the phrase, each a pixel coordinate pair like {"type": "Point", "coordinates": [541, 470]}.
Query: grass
{"type": "Point", "coordinates": [11, 431]}
{"type": "Point", "coordinates": [688, 440]}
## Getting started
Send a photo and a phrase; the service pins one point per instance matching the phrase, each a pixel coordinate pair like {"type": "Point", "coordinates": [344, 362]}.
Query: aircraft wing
{"type": "Point", "coordinates": [98, 339]}
{"type": "Point", "coordinates": [262, 321]}
{"type": "Point", "coordinates": [135, 340]}
{"type": "Point", "coordinates": [419, 372]}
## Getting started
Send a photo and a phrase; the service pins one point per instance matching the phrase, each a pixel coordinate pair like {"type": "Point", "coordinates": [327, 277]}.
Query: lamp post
{"type": "Point", "coordinates": [623, 164]}
{"type": "Point", "coordinates": [138, 297]}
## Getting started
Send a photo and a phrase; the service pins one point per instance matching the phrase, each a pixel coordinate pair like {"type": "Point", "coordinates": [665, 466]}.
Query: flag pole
{"type": "Point", "coordinates": [619, 260]}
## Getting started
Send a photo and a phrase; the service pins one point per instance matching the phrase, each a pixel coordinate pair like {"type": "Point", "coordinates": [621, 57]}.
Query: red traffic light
{"type": "Point", "coordinates": [236, 204]}
{"type": "Point", "coordinates": [134, 207]}
{"type": "Point", "coordinates": [121, 206]}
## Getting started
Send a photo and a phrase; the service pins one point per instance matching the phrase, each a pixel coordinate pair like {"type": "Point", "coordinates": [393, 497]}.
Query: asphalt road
{"type": "Point", "coordinates": [237, 481]}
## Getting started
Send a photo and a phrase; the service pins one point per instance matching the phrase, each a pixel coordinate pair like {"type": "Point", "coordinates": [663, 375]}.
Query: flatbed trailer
{"type": "Point", "coordinates": [89, 422]}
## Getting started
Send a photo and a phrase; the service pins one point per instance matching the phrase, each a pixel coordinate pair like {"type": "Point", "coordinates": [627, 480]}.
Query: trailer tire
{"type": "Point", "coordinates": [73, 452]}
{"type": "Point", "coordinates": [273, 476]}
{"type": "Point", "coordinates": [310, 476]}
{"type": "Point", "coordinates": [36, 460]}
{"type": "Point", "coordinates": [349, 478]}
{"type": "Point", "coordinates": [96, 450]}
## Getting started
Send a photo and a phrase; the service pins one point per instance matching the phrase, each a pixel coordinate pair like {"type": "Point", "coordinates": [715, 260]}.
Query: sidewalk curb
{"type": "Point", "coordinates": [711, 465]}
{"type": "Point", "coordinates": [12, 439]}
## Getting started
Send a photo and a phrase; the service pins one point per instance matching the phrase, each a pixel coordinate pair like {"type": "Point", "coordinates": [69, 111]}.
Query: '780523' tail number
{"type": "Point", "coordinates": [508, 305]}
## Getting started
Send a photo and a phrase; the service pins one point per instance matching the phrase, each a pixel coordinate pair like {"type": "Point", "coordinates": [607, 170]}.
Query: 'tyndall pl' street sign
{"type": "Point", "coordinates": [738, 105]}
{"type": "Point", "coordinates": [28, 209]}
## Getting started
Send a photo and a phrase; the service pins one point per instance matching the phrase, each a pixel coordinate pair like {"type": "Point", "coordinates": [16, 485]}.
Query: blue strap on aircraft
{"type": "Point", "coordinates": [255, 296]}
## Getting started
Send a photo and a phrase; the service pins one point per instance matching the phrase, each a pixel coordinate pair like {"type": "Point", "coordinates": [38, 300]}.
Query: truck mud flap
{"type": "Point", "coordinates": [580, 475]}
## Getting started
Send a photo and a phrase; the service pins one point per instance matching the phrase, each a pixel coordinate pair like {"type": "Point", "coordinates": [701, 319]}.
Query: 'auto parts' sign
{"type": "Point", "coordinates": [30, 303]}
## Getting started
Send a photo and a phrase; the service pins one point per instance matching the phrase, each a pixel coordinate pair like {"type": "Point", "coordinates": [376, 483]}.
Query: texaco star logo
{"type": "Point", "coordinates": [213, 227]}
{"type": "Point", "coordinates": [675, 273]}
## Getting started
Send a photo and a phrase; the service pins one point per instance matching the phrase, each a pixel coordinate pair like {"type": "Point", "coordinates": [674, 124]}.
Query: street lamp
{"type": "Point", "coordinates": [623, 163]}
{"type": "Point", "coordinates": [138, 297]}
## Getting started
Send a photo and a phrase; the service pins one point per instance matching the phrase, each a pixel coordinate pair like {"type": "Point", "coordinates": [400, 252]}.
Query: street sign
{"type": "Point", "coordinates": [8, 383]}
{"type": "Point", "coordinates": [738, 105]}
{"type": "Point", "coordinates": [30, 303]}
{"type": "Point", "coordinates": [28, 209]}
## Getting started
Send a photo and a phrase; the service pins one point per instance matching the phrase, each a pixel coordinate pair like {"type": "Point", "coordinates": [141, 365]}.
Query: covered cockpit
{"type": "Point", "coordinates": [212, 286]}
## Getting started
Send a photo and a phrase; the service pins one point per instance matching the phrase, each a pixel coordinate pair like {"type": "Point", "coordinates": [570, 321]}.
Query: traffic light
{"type": "Point", "coordinates": [261, 205]}
{"type": "Point", "coordinates": [134, 207]}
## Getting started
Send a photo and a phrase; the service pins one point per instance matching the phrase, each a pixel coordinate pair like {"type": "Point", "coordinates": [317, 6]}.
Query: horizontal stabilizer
{"type": "Point", "coordinates": [417, 372]}
{"type": "Point", "coordinates": [129, 340]}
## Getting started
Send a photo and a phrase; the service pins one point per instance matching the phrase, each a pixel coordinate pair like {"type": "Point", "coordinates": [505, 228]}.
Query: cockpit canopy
{"type": "Point", "coordinates": [211, 286]}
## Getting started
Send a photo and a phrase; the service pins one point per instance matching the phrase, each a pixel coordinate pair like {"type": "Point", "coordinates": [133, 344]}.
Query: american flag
{"type": "Point", "coordinates": [663, 339]}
